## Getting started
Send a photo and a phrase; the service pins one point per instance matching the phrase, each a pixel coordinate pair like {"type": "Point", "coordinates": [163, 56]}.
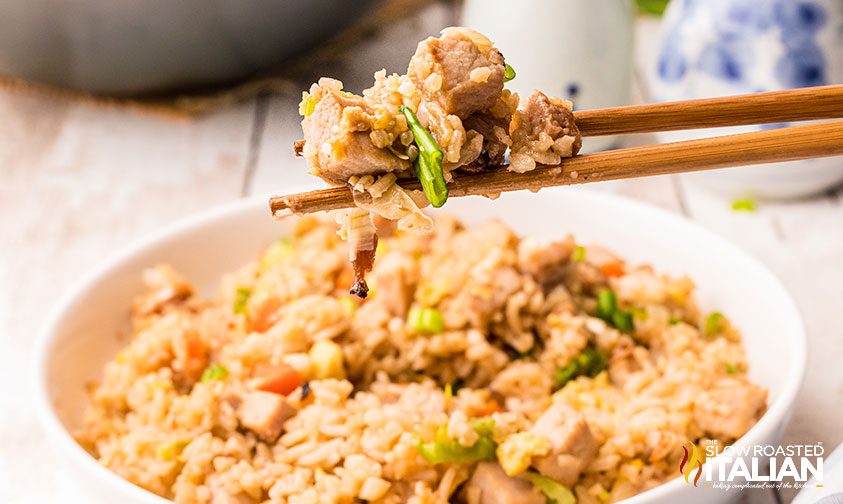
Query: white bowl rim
{"type": "Point", "coordinates": [58, 433]}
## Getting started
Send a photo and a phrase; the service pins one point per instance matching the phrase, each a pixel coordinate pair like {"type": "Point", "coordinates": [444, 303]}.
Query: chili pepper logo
{"type": "Point", "coordinates": [693, 459]}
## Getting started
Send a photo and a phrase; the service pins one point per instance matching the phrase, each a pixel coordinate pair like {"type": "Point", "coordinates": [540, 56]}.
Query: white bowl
{"type": "Point", "coordinates": [81, 334]}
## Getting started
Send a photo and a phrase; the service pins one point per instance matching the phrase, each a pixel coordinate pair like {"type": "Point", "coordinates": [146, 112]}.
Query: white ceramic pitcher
{"type": "Point", "coordinates": [574, 49]}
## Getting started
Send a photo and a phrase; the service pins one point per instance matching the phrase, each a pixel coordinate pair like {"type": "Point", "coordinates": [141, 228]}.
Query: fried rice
{"type": "Point", "coordinates": [479, 362]}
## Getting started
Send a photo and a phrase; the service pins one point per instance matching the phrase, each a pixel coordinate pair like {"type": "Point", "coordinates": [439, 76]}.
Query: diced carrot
{"type": "Point", "coordinates": [265, 315]}
{"type": "Point", "coordinates": [613, 269]}
{"type": "Point", "coordinates": [344, 279]}
{"type": "Point", "coordinates": [195, 355]}
{"type": "Point", "coordinates": [281, 379]}
{"type": "Point", "coordinates": [491, 406]}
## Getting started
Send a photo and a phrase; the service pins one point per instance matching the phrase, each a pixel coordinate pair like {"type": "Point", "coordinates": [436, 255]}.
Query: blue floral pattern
{"type": "Point", "coordinates": [729, 55]}
{"type": "Point", "coordinates": [723, 60]}
{"type": "Point", "coordinates": [672, 64]}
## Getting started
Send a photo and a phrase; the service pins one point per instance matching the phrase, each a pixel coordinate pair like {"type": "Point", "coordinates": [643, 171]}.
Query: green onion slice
{"type": "Point", "coordinates": [214, 372]}
{"type": "Point", "coordinates": [444, 450]}
{"type": "Point", "coordinates": [590, 362]}
{"type": "Point", "coordinates": [426, 320]}
{"type": "Point", "coordinates": [554, 491]}
{"type": "Point", "coordinates": [578, 254]}
{"type": "Point", "coordinates": [428, 164]}
{"type": "Point", "coordinates": [714, 324]}
{"type": "Point", "coordinates": [623, 321]}
{"type": "Point", "coordinates": [508, 73]}
{"type": "Point", "coordinates": [607, 303]}
{"type": "Point", "coordinates": [241, 300]}
{"type": "Point", "coordinates": [608, 310]}
{"type": "Point", "coordinates": [744, 205]}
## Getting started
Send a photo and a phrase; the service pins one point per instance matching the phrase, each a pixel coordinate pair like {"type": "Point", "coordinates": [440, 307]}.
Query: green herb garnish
{"type": "Point", "coordinates": [445, 450]}
{"type": "Point", "coordinates": [485, 426]}
{"type": "Point", "coordinates": [731, 369]}
{"type": "Point", "coordinates": [608, 310]}
{"type": "Point", "coordinates": [555, 492]}
{"type": "Point", "coordinates": [214, 372]}
{"type": "Point", "coordinates": [744, 205]}
{"type": "Point", "coordinates": [714, 324]}
{"type": "Point", "coordinates": [578, 254]}
{"type": "Point", "coordinates": [607, 303]}
{"type": "Point", "coordinates": [508, 73]}
{"type": "Point", "coordinates": [241, 300]}
{"type": "Point", "coordinates": [428, 164]}
{"type": "Point", "coordinates": [623, 321]}
{"type": "Point", "coordinates": [590, 362]}
{"type": "Point", "coordinates": [426, 320]}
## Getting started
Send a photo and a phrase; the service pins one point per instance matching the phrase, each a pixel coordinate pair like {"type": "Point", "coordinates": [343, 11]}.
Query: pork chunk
{"type": "Point", "coordinates": [730, 408]}
{"type": "Point", "coordinates": [573, 445]}
{"type": "Point", "coordinates": [337, 145]}
{"type": "Point", "coordinates": [495, 140]}
{"type": "Point", "coordinates": [543, 132]}
{"type": "Point", "coordinates": [547, 263]}
{"type": "Point", "coordinates": [264, 413]}
{"type": "Point", "coordinates": [461, 70]}
{"type": "Point", "coordinates": [396, 277]}
{"type": "Point", "coordinates": [623, 362]}
{"type": "Point", "coordinates": [164, 286]}
{"type": "Point", "coordinates": [490, 485]}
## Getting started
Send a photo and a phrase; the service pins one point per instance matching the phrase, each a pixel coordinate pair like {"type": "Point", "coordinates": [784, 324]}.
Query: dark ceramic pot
{"type": "Point", "coordinates": [130, 47]}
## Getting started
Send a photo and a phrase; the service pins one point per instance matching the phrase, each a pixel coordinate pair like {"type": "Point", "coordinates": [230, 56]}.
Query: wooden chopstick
{"type": "Point", "coordinates": [784, 144]}
{"type": "Point", "coordinates": [801, 104]}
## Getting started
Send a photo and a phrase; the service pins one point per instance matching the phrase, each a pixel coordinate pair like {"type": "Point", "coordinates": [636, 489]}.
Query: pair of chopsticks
{"type": "Point", "coordinates": [770, 146]}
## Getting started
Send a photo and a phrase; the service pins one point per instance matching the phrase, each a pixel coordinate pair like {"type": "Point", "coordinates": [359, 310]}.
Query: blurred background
{"type": "Point", "coordinates": [117, 118]}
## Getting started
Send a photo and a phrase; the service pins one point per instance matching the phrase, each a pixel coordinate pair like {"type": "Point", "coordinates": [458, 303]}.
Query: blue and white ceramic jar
{"type": "Point", "coordinates": [726, 47]}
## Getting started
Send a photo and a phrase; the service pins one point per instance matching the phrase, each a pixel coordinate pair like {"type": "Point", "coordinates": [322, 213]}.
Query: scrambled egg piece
{"type": "Point", "coordinates": [517, 451]}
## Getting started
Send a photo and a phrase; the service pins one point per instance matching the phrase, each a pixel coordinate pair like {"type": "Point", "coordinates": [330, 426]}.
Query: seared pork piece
{"type": "Point", "coordinates": [490, 485]}
{"type": "Point", "coordinates": [573, 445]}
{"type": "Point", "coordinates": [264, 413]}
{"type": "Point", "coordinates": [493, 125]}
{"type": "Point", "coordinates": [337, 143]}
{"type": "Point", "coordinates": [396, 279]}
{"type": "Point", "coordinates": [454, 85]}
{"type": "Point", "coordinates": [730, 408]}
{"type": "Point", "coordinates": [623, 363]}
{"type": "Point", "coordinates": [547, 263]}
{"type": "Point", "coordinates": [461, 70]}
{"type": "Point", "coordinates": [164, 286]}
{"type": "Point", "coordinates": [543, 132]}
{"type": "Point", "coordinates": [449, 112]}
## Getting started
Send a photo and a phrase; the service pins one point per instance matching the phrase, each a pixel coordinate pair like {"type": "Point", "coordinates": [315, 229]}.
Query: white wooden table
{"type": "Point", "coordinates": [79, 182]}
